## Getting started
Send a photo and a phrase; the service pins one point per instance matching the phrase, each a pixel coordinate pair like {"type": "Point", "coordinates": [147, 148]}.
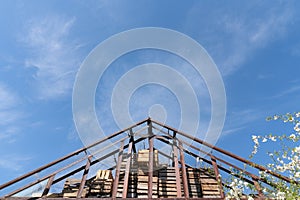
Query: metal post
{"type": "Point", "coordinates": [126, 177]}
{"type": "Point", "coordinates": [150, 164]}
{"type": "Point", "coordinates": [258, 188]}
{"type": "Point", "coordinates": [47, 188]}
{"type": "Point", "coordinates": [84, 176]}
{"type": "Point", "coordinates": [174, 135]}
{"type": "Point", "coordinates": [132, 139]}
{"type": "Point", "coordinates": [183, 170]}
{"type": "Point", "coordinates": [177, 173]}
{"type": "Point", "coordinates": [217, 174]}
{"type": "Point", "coordinates": [116, 182]}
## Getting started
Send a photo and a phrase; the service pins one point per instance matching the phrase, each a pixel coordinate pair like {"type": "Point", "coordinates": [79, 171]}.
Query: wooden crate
{"type": "Point", "coordinates": [102, 185]}
{"type": "Point", "coordinates": [143, 158]}
{"type": "Point", "coordinates": [71, 188]}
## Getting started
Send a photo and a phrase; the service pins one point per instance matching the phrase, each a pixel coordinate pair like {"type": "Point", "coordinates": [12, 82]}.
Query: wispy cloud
{"type": "Point", "coordinates": [238, 120]}
{"type": "Point", "coordinates": [233, 37]}
{"type": "Point", "coordinates": [53, 54]}
{"type": "Point", "coordinates": [13, 162]}
{"type": "Point", "coordinates": [9, 114]}
{"type": "Point", "coordinates": [287, 92]}
{"type": "Point", "coordinates": [7, 98]}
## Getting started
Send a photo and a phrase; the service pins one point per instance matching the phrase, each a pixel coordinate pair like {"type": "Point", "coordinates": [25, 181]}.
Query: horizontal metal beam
{"type": "Point", "coordinates": [27, 198]}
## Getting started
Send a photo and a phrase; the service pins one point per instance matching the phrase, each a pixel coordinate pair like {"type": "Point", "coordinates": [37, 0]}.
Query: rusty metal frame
{"type": "Point", "coordinates": [259, 167]}
{"type": "Point", "coordinates": [127, 170]}
{"type": "Point", "coordinates": [117, 175]}
{"type": "Point", "coordinates": [68, 156]}
{"type": "Point", "coordinates": [176, 144]}
{"type": "Point", "coordinates": [183, 171]}
{"type": "Point", "coordinates": [84, 176]}
{"type": "Point", "coordinates": [177, 172]}
{"type": "Point", "coordinates": [150, 164]}
{"type": "Point", "coordinates": [70, 173]}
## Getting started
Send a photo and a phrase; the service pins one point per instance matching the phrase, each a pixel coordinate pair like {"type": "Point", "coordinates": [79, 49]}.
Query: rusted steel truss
{"type": "Point", "coordinates": [155, 132]}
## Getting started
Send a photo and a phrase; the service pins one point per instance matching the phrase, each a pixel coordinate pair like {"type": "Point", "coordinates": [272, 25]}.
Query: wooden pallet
{"type": "Point", "coordinates": [102, 185]}
{"type": "Point", "coordinates": [167, 183]}
{"type": "Point", "coordinates": [203, 183]}
{"type": "Point", "coordinates": [71, 188]}
{"type": "Point", "coordinates": [143, 158]}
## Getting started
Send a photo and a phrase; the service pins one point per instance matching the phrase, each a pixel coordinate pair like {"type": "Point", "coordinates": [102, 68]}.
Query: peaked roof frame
{"type": "Point", "coordinates": [169, 136]}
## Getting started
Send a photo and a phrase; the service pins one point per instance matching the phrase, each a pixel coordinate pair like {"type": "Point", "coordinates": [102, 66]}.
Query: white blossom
{"type": "Point", "coordinates": [292, 136]}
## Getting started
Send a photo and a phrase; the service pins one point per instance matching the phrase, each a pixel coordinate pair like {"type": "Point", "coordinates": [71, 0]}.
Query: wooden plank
{"type": "Point", "coordinates": [258, 188]}
{"type": "Point", "coordinates": [145, 186]}
{"type": "Point", "coordinates": [168, 193]}
{"type": "Point", "coordinates": [210, 187]}
{"type": "Point", "coordinates": [145, 179]}
{"type": "Point", "coordinates": [167, 188]}
{"type": "Point", "coordinates": [196, 187]}
{"type": "Point", "coordinates": [167, 181]}
{"type": "Point", "coordinates": [145, 196]}
{"type": "Point", "coordinates": [210, 192]}
{"type": "Point", "coordinates": [168, 178]}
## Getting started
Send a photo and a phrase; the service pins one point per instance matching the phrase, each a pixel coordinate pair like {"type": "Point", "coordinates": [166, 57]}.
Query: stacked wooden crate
{"type": "Point", "coordinates": [143, 158]}
{"type": "Point", "coordinates": [71, 188]}
{"type": "Point", "coordinates": [167, 183]}
{"type": "Point", "coordinates": [121, 178]}
{"type": "Point", "coordinates": [132, 179]}
{"type": "Point", "coordinates": [209, 185]}
{"type": "Point", "coordinates": [101, 186]}
{"type": "Point", "coordinates": [143, 174]}
{"type": "Point", "coordinates": [194, 182]}
{"type": "Point", "coordinates": [142, 183]}
{"type": "Point", "coordinates": [132, 182]}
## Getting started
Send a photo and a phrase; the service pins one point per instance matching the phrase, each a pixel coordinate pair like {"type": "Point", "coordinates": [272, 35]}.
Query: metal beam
{"type": "Point", "coordinates": [150, 164]}
{"type": "Point", "coordinates": [84, 176]}
{"type": "Point", "coordinates": [126, 178]}
{"type": "Point", "coordinates": [261, 168]}
{"type": "Point", "coordinates": [168, 136]}
{"type": "Point", "coordinates": [119, 162]}
{"type": "Point", "coordinates": [177, 173]}
{"type": "Point", "coordinates": [94, 162]}
{"type": "Point", "coordinates": [258, 188]}
{"type": "Point", "coordinates": [68, 156]}
{"type": "Point", "coordinates": [47, 188]}
{"type": "Point", "coordinates": [183, 171]}
{"type": "Point", "coordinates": [217, 174]}
{"type": "Point", "coordinates": [132, 139]}
{"type": "Point", "coordinates": [169, 157]}
{"type": "Point", "coordinates": [44, 178]}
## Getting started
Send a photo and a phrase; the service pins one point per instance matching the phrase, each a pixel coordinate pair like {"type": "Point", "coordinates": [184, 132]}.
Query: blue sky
{"type": "Point", "coordinates": [255, 45]}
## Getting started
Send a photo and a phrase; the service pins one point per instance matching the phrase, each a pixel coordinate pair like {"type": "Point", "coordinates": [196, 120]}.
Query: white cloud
{"type": "Point", "coordinates": [9, 114]}
{"type": "Point", "coordinates": [232, 37]}
{"type": "Point", "coordinates": [13, 162]}
{"type": "Point", "coordinates": [238, 120]}
{"type": "Point", "coordinates": [287, 92]}
{"type": "Point", "coordinates": [52, 54]}
{"type": "Point", "coordinates": [7, 98]}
